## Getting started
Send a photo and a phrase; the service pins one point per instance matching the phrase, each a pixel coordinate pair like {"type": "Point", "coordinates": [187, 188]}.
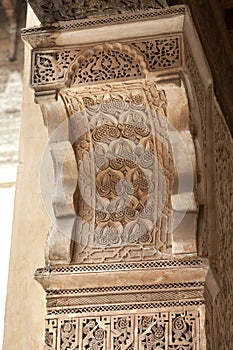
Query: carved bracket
{"type": "Point", "coordinates": [121, 115]}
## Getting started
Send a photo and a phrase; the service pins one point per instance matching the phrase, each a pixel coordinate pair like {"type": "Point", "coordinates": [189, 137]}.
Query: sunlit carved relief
{"type": "Point", "coordinates": [119, 135]}
{"type": "Point", "coordinates": [110, 61]}
{"type": "Point", "coordinates": [160, 330]}
{"type": "Point", "coordinates": [107, 64]}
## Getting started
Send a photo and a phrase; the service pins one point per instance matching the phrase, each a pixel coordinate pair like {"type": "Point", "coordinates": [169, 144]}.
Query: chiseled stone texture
{"type": "Point", "coordinates": [223, 306]}
{"type": "Point", "coordinates": [70, 10]}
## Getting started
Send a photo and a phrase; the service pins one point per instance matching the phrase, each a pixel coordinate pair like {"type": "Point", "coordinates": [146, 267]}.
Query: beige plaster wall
{"type": "Point", "coordinates": [25, 305]}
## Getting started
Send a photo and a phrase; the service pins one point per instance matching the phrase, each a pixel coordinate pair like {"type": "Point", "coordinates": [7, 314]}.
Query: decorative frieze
{"type": "Point", "coordinates": [108, 62]}
{"type": "Point", "coordinates": [111, 267]}
{"type": "Point", "coordinates": [139, 316]}
{"type": "Point", "coordinates": [126, 294]}
{"type": "Point", "coordinates": [142, 330]}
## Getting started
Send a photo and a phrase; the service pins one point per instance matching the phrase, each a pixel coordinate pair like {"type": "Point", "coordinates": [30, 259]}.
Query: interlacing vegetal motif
{"type": "Point", "coordinates": [224, 234]}
{"type": "Point", "coordinates": [67, 334]}
{"type": "Point", "coordinates": [106, 62]}
{"type": "Point", "coordinates": [125, 171]}
{"type": "Point", "coordinates": [67, 10]}
{"type": "Point", "coordinates": [51, 67]}
{"type": "Point", "coordinates": [160, 53]}
{"type": "Point", "coordinates": [144, 331]}
{"type": "Point", "coordinates": [93, 334]}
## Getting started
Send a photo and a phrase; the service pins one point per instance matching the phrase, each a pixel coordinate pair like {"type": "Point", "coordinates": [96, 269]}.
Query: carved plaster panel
{"type": "Point", "coordinates": [50, 67]}
{"type": "Point", "coordinates": [223, 241]}
{"type": "Point", "coordinates": [108, 62]}
{"type": "Point", "coordinates": [66, 10]}
{"type": "Point", "coordinates": [125, 152]}
{"type": "Point", "coordinates": [126, 157]}
{"type": "Point", "coordinates": [145, 330]}
{"type": "Point", "coordinates": [135, 310]}
{"type": "Point", "coordinates": [131, 132]}
{"type": "Point", "coordinates": [135, 186]}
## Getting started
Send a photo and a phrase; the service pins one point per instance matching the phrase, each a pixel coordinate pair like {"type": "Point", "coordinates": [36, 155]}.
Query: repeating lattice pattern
{"type": "Point", "coordinates": [160, 330]}
{"type": "Point", "coordinates": [127, 307]}
{"type": "Point", "coordinates": [158, 264]}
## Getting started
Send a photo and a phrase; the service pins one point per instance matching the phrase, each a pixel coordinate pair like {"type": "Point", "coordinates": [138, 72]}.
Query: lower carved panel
{"type": "Point", "coordinates": [157, 330]}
